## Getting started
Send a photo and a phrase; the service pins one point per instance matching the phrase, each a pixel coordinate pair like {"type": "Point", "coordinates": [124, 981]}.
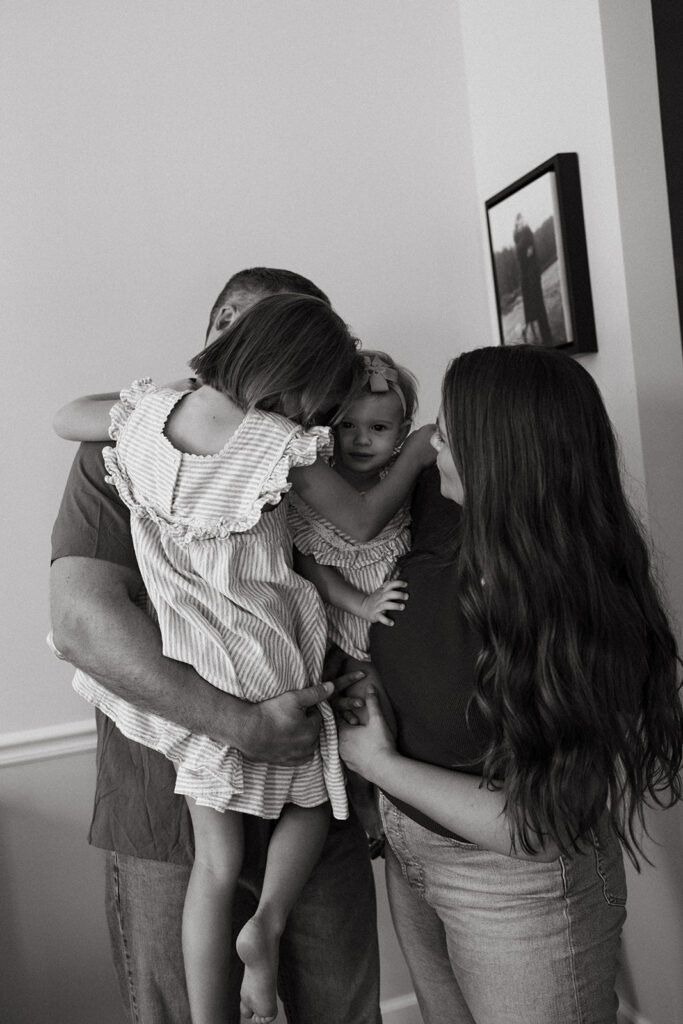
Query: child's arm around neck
{"type": "Point", "coordinates": [85, 419]}
{"type": "Point", "coordinates": [362, 516]}
{"type": "Point", "coordinates": [88, 418]}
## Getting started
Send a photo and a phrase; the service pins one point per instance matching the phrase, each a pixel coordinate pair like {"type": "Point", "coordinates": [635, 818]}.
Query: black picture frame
{"type": "Point", "coordinates": [539, 259]}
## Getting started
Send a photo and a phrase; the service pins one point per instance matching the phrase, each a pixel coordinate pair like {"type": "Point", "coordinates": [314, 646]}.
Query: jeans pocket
{"type": "Point", "coordinates": [609, 865]}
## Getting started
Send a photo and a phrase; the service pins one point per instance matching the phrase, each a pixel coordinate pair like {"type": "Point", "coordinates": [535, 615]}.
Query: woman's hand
{"type": "Point", "coordinates": [367, 747]}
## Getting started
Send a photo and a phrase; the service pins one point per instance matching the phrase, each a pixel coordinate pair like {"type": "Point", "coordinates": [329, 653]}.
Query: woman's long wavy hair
{"type": "Point", "coordinates": [577, 677]}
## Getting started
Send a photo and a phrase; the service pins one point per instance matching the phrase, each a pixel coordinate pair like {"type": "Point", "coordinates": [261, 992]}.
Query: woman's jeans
{"type": "Point", "coordinates": [499, 940]}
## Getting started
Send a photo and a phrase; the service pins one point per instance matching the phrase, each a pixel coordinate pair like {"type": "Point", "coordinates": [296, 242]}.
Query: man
{"type": "Point", "coordinates": [329, 958]}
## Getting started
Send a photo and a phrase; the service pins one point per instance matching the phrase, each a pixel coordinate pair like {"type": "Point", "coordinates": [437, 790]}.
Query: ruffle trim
{"type": "Point", "coordinates": [314, 536]}
{"type": "Point", "coordinates": [302, 449]}
{"type": "Point", "coordinates": [129, 399]}
{"type": "Point", "coordinates": [201, 756]}
{"type": "Point", "coordinates": [180, 746]}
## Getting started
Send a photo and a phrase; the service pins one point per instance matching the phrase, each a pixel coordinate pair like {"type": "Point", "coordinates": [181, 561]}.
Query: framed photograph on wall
{"type": "Point", "coordinates": [540, 262]}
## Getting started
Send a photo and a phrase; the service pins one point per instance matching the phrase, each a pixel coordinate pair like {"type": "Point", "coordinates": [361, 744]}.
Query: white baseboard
{"type": "Point", "coordinates": [401, 1010]}
{"type": "Point", "coordinates": [32, 745]}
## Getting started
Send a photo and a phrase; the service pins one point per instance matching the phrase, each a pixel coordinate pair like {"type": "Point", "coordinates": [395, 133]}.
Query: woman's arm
{"type": "Point", "coordinates": [453, 799]}
{"type": "Point", "coordinates": [337, 591]}
{"type": "Point", "coordinates": [362, 516]}
{"type": "Point", "coordinates": [86, 419]}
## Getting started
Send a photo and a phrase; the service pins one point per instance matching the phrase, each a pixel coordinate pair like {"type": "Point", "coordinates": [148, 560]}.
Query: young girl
{"type": "Point", "coordinates": [368, 438]}
{"type": "Point", "coordinates": [535, 680]}
{"type": "Point", "coordinates": [354, 578]}
{"type": "Point", "coordinates": [203, 472]}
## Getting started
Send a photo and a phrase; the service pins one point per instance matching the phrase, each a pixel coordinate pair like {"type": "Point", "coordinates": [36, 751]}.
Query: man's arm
{"type": "Point", "coordinates": [98, 627]}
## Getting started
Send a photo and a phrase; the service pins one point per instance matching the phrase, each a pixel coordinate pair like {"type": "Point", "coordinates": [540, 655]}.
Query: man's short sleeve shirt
{"type": "Point", "coordinates": [136, 811]}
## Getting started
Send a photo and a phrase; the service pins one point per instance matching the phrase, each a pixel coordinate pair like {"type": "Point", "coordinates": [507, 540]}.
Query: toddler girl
{"type": "Point", "coordinates": [354, 578]}
{"type": "Point", "coordinates": [203, 472]}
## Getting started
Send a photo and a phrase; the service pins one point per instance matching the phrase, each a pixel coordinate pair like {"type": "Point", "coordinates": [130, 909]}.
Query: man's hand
{"type": "Point", "coordinates": [184, 384]}
{"type": "Point", "coordinates": [283, 730]}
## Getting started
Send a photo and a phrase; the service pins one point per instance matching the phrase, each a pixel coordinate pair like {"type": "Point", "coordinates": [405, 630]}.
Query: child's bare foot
{"type": "Point", "coordinates": [258, 948]}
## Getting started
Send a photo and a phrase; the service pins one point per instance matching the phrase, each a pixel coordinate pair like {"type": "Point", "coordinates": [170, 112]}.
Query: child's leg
{"type": "Point", "coordinates": [207, 917]}
{"type": "Point", "coordinates": [293, 851]}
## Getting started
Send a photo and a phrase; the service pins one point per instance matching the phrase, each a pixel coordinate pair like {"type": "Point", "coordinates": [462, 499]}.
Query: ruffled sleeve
{"type": "Point", "coordinates": [128, 401]}
{"type": "Point", "coordinates": [302, 449]}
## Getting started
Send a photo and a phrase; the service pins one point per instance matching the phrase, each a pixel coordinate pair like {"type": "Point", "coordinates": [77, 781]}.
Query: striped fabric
{"type": "Point", "coordinates": [365, 565]}
{"type": "Point", "coordinates": [218, 571]}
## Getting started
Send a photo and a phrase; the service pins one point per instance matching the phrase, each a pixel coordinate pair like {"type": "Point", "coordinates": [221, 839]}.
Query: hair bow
{"type": "Point", "coordinates": [379, 374]}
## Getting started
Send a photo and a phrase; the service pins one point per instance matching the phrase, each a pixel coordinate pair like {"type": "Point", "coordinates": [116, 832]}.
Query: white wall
{"type": "Point", "coordinates": [149, 150]}
{"type": "Point", "coordinates": [545, 76]}
{"type": "Point", "coordinates": [53, 941]}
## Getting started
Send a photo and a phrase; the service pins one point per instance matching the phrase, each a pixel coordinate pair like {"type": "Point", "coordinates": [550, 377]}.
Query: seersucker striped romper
{"type": "Point", "coordinates": [366, 565]}
{"type": "Point", "coordinates": [218, 572]}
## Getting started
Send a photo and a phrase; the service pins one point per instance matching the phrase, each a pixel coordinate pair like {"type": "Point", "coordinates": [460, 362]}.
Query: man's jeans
{"type": "Point", "coordinates": [497, 940]}
{"type": "Point", "coordinates": [329, 961]}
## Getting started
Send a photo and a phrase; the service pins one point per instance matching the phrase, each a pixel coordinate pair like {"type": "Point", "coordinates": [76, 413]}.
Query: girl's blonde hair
{"type": "Point", "coordinates": [288, 353]}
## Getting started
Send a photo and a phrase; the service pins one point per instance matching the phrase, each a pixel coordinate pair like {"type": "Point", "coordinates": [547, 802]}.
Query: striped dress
{"type": "Point", "coordinates": [217, 565]}
{"type": "Point", "coordinates": [366, 565]}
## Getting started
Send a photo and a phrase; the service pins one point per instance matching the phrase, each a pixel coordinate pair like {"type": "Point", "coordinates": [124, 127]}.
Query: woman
{"type": "Point", "coordinates": [530, 281]}
{"type": "Point", "coordinates": [533, 677]}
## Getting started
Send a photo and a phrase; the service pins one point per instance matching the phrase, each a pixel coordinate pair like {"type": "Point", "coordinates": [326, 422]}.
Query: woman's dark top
{"type": "Point", "coordinates": [426, 661]}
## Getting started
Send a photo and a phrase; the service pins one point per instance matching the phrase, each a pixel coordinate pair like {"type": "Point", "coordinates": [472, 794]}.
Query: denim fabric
{"type": "Point", "coordinates": [498, 940]}
{"type": "Point", "coordinates": [144, 905]}
{"type": "Point", "coordinates": [329, 959]}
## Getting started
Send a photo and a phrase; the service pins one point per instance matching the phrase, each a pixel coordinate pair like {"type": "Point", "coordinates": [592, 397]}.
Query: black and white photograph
{"type": "Point", "coordinates": [341, 559]}
{"type": "Point", "coordinates": [539, 259]}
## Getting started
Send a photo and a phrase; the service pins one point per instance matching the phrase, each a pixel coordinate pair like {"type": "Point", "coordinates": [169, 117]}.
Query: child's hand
{"type": "Point", "coordinates": [419, 446]}
{"type": "Point", "coordinates": [390, 597]}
